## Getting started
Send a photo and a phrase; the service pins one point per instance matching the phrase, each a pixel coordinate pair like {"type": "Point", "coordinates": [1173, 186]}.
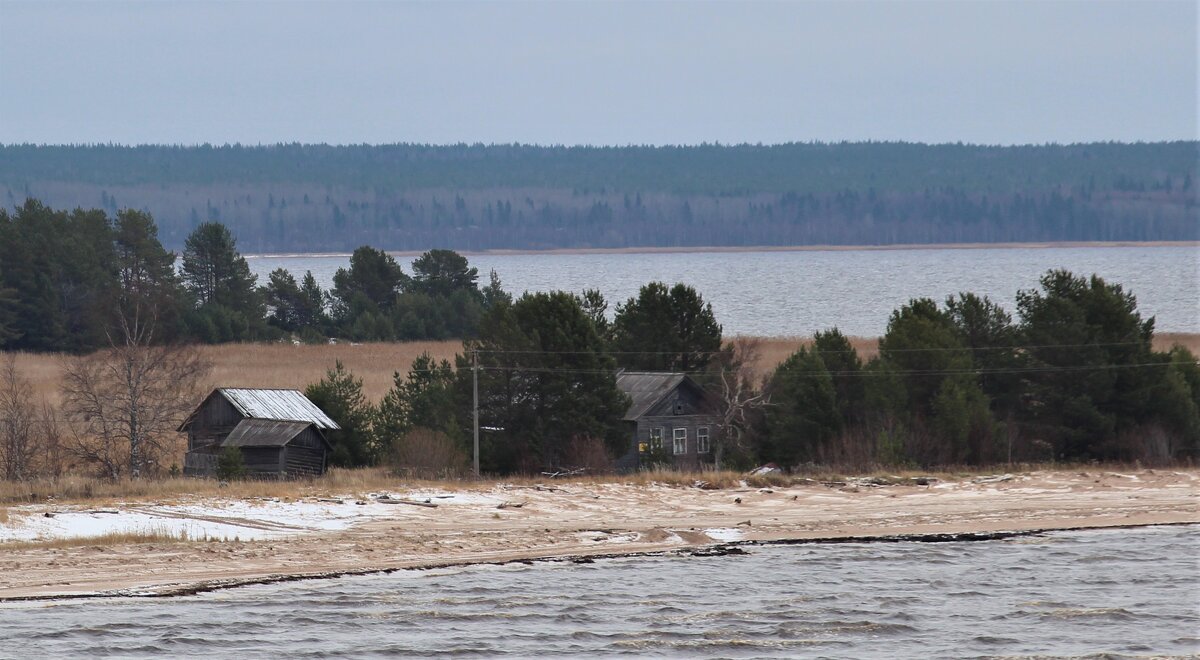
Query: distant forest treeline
{"type": "Point", "coordinates": [471, 197]}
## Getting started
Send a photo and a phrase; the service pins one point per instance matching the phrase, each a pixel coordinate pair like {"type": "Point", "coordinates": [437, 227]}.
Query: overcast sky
{"type": "Point", "coordinates": [597, 73]}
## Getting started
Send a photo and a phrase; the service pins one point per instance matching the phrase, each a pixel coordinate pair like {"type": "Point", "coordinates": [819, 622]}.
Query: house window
{"type": "Point", "coordinates": [680, 441]}
{"type": "Point", "coordinates": [656, 439]}
{"type": "Point", "coordinates": [702, 445]}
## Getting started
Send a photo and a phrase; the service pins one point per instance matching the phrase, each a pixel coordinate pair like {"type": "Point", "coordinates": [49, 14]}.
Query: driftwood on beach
{"type": "Point", "coordinates": [393, 500]}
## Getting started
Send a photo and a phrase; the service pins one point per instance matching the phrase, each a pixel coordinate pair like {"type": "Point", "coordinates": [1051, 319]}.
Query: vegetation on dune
{"type": "Point", "coordinates": [1075, 375]}
{"type": "Point", "coordinates": [105, 540]}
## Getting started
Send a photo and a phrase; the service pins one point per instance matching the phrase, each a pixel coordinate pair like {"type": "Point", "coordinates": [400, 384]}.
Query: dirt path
{"type": "Point", "coordinates": [605, 519]}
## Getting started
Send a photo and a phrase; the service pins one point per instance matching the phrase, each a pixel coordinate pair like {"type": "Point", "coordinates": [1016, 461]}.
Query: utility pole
{"type": "Point", "coordinates": [475, 406]}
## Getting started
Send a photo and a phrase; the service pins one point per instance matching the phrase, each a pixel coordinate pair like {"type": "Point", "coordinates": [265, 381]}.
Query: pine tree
{"type": "Point", "coordinates": [228, 305]}
{"type": "Point", "coordinates": [804, 410]}
{"type": "Point", "coordinates": [149, 286]}
{"type": "Point", "coordinates": [544, 381]}
{"type": "Point", "coordinates": [666, 330]}
{"type": "Point", "coordinates": [213, 270]}
{"type": "Point", "coordinates": [341, 396]}
{"type": "Point", "coordinates": [1076, 327]}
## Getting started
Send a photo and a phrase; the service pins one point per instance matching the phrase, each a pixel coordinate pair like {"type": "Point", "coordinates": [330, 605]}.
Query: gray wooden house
{"type": "Point", "coordinates": [279, 432]}
{"type": "Point", "coordinates": [670, 417]}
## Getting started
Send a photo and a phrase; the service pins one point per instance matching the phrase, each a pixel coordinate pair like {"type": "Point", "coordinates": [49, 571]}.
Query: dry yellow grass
{"type": "Point", "coordinates": [273, 365]}
{"type": "Point", "coordinates": [1189, 340]}
{"type": "Point", "coordinates": [339, 482]}
{"type": "Point", "coordinates": [108, 539]}
{"type": "Point", "coordinates": [774, 350]}
{"type": "Point", "coordinates": [282, 365]}
{"type": "Point", "coordinates": [287, 366]}
{"type": "Point", "coordinates": [78, 488]}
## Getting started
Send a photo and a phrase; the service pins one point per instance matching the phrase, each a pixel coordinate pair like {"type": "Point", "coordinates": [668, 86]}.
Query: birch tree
{"type": "Point", "coordinates": [125, 402]}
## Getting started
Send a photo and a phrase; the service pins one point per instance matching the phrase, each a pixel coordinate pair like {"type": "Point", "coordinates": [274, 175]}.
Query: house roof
{"type": "Point", "coordinates": [282, 405]}
{"type": "Point", "coordinates": [646, 388]}
{"type": "Point", "coordinates": [263, 433]}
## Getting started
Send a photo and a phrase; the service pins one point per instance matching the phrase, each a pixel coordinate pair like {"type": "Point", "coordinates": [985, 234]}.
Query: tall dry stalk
{"type": "Point", "coordinates": [126, 402]}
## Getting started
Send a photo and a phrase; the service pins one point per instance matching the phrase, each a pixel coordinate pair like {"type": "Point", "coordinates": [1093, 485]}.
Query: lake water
{"type": "Point", "coordinates": [800, 292]}
{"type": "Point", "coordinates": [1133, 592]}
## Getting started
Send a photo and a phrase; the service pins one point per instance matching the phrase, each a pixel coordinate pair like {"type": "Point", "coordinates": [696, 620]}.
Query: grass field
{"type": "Point", "coordinates": [288, 366]}
{"type": "Point", "coordinates": [274, 365]}
{"type": "Point", "coordinates": [361, 482]}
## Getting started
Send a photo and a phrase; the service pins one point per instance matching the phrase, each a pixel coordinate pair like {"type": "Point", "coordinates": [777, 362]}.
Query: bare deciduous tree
{"type": "Point", "coordinates": [426, 453]}
{"type": "Point", "coordinates": [737, 394]}
{"type": "Point", "coordinates": [125, 402]}
{"type": "Point", "coordinates": [51, 449]}
{"type": "Point", "coordinates": [18, 422]}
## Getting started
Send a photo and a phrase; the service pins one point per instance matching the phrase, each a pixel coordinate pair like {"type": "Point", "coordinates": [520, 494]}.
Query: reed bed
{"type": "Point", "coordinates": [81, 488]}
{"type": "Point", "coordinates": [272, 365]}
{"type": "Point", "coordinates": [358, 482]}
{"type": "Point", "coordinates": [773, 350]}
{"type": "Point", "coordinates": [1165, 340]}
{"type": "Point", "coordinates": [288, 366]}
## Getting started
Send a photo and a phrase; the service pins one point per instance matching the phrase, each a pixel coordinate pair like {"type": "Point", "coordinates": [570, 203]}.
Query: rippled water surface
{"type": "Point", "coordinates": [1122, 592]}
{"type": "Point", "coordinates": [797, 293]}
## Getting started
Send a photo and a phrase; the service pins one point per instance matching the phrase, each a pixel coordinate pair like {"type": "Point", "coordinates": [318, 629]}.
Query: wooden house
{"type": "Point", "coordinates": [670, 417]}
{"type": "Point", "coordinates": [279, 432]}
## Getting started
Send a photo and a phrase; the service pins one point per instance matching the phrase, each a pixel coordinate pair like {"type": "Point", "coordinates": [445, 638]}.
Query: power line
{"type": "Point", "coordinates": [962, 349]}
{"type": "Point", "coordinates": [814, 374]}
{"type": "Point", "coordinates": [856, 373]}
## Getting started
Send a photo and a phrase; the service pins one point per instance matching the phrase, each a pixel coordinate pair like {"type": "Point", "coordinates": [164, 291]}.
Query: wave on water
{"type": "Point", "coordinates": [777, 601]}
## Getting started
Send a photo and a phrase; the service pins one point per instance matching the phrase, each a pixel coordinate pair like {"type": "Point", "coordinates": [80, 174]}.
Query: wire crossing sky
{"type": "Point", "coordinates": [604, 73]}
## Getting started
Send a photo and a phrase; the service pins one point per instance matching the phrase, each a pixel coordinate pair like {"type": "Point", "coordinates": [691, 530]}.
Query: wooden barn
{"type": "Point", "coordinates": [670, 417]}
{"type": "Point", "coordinates": [279, 432]}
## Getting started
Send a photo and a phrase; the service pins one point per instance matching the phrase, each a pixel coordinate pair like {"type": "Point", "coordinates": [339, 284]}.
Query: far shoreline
{"type": "Point", "coordinates": [717, 249]}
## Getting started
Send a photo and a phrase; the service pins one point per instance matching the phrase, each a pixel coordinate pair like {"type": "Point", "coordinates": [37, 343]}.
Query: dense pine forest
{"type": "Point", "coordinates": [471, 197]}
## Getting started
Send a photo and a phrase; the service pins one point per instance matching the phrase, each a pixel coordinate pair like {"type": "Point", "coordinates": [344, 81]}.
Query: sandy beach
{"type": "Point", "coordinates": [271, 539]}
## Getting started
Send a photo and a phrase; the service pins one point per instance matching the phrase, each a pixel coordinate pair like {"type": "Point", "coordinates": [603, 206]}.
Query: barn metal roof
{"type": "Point", "coordinates": [283, 405]}
{"type": "Point", "coordinates": [263, 433]}
{"type": "Point", "coordinates": [646, 388]}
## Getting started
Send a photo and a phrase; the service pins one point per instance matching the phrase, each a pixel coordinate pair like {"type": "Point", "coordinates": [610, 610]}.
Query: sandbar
{"type": "Point", "coordinates": [578, 520]}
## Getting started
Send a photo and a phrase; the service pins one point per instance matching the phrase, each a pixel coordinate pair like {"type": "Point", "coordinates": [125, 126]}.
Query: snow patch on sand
{"type": "Point", "coordinates": [598, 536]}
{"type": "Point", "coordinates": [245, 520]}
{"type": "Point", "coordinates": [72, 525]}
{"type": "Point", "coordinates": [226, 520]}
{"type": "Point", "coordinates": [725, 534]}
{"type": "Point", "coordinates": [452, 498]}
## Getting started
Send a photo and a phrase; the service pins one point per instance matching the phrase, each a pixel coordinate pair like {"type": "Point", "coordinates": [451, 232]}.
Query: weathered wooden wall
{"type": "Point", "coordinates": [212, 422]}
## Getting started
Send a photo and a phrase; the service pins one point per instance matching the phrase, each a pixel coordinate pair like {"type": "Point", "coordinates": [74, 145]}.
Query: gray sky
{"type": "Point", "coordinates": [597, 73]}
